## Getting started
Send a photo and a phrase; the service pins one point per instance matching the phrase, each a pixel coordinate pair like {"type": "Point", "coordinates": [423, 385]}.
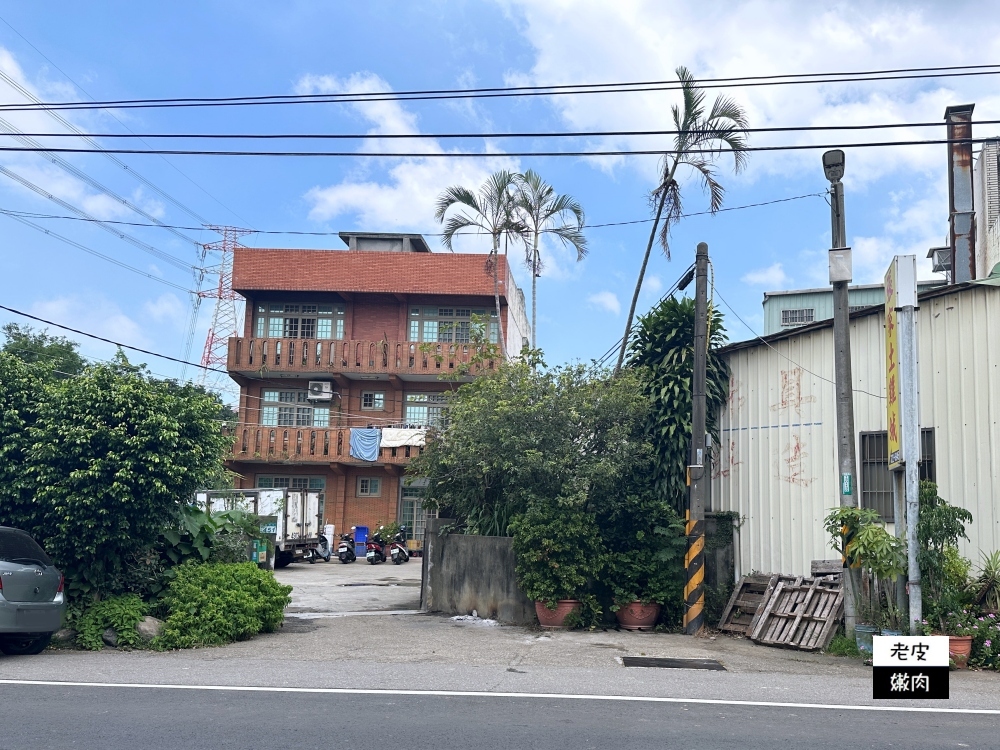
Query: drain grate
{"type": "Point", "coordinates": [649, 661]}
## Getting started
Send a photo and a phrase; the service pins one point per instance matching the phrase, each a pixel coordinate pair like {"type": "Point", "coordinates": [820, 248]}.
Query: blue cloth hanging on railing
{"type": "Point", "coordinates": [365, 443]}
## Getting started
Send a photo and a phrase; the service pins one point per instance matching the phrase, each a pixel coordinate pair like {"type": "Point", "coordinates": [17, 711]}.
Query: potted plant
{"type": "Point", "coordinates": [860, 536]}
{"type": "Point", "coordinates": [985, 588]}
{"type": "Point", "coordinates": [642, 573]}
{"type": "Point", "coordinates": [557, 550]}
{"type": "Point", "coordinates": [961, 628]}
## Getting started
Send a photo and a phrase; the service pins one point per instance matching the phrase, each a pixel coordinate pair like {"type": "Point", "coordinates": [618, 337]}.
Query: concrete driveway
{"type": "Point", "coordinates": [333, 589]}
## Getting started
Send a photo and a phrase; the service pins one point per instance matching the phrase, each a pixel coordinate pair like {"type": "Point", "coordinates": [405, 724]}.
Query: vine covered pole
{"type": "Point", "coordinates": [694, 560]}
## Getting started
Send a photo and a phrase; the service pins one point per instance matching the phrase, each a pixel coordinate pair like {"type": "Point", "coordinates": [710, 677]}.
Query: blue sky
{"type": "Point", "coordinates": [896, 198]}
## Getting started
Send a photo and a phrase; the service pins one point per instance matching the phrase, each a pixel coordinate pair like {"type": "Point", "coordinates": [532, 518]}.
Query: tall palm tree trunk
{"type": "Point", "coordinates": [534, 294]}
{"type": "Point", "coordinates": [638, 283]}
{"type": "Point", "coordinates": [496, 297]}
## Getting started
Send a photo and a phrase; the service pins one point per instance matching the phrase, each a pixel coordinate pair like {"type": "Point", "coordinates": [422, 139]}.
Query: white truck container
{"type": "Point", "coordinates": [298, 514]}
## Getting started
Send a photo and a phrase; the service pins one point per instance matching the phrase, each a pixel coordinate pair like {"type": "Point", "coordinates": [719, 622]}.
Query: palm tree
{"type": "Point", "coordinates": [491, 211]}
{"type": "Point", "coordinates": [700, 138]}
{"type": "Point", "coordinates": [544, 212]}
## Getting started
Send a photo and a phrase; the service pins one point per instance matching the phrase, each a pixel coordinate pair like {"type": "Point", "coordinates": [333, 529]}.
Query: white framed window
{"type": "Point", "coordinates": [798, 317]}
{"type": "Point", "coordinates": [425, 409]}
{"type": "Point", "coordinates": [449, 324]}
{"type": "Point", "coordinates": [280, 320]}
{"type": "Point", "coordinates": [291, 483]}
{"type": "Point", "coordinates": [369, 487]}
{"type": "Point", "coordinates": [412, 514]}
{"type": "Point", "coordinates": [291, 409]}
{"type": "Point", "coordinates": [373, 400]}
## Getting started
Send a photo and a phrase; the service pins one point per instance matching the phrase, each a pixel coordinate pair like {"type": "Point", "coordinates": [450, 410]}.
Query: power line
{"type": "Point", "coordinates": [84, 177]}
{"type": "Point", "coordinates": [522, 91]}
{"type": "Point", "coordinates": [785, 356]}
{"type": "Point", "coordinates": [145, 247]}
{"type": "Point", "coordinates": [34, 215]}
{"type": "Point", "coordinates": [110, 341]}
{"type": "Point", "coordinates": [497, 155]}
{"type": "Point", "coordinates": [86, 249]}
{"type": "Point", "coordinates": [614, 347]}
{"type": "Point", "coordinates": [445, 136]}
{"type": "Point", "coordinates": [190, 212]}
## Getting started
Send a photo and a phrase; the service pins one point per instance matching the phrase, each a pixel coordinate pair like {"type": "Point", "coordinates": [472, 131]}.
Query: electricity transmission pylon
{"type": "Point", "coordinates": [225, 316]}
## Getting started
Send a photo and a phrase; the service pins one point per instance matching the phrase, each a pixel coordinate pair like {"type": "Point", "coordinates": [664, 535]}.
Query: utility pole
{"type": "Point", "coordinates": [903, 415]}
{"type": "Point", "coordinates": [841, 273]}
{"type": "Point", "coordinates": [694, 560]}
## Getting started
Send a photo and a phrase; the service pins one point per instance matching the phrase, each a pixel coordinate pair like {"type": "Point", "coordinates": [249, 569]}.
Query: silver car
{"type": "Point", "coordinates": [31, 594]}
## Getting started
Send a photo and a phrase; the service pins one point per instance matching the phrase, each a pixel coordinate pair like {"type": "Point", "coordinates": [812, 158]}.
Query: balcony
{"type": "Point", "coordinates": [314, 445]}
{"type": "Point", "coordinates": [251, 356]}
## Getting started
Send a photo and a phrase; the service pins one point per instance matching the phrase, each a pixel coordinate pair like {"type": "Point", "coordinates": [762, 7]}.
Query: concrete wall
{"type": "Point", "coordinates": [463, 573]}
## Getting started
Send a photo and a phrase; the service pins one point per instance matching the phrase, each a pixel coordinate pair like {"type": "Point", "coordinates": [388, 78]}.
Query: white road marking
{"type": "Point", "coordinates": [486, 694]}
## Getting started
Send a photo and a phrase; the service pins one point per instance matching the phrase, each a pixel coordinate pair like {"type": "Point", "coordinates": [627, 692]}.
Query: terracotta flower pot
{"type": "Point", "coordinates": [959, 648]}
{"type": "Point", "coordinates": [638, 616]}
{"type": "Point", "coordinates": [556, 618]}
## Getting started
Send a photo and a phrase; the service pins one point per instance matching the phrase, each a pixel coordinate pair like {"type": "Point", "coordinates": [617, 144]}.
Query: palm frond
{"type": "Point", "coordinates": [457, 222]}
{"type": "Point", "coordinates": [706, 171]}
{"type": "Point", "coordinates": [456, 194]}
{"type": "Point", "coordinates": [672, 210]}
{"type": "Point", "coordinates": [573, 237]}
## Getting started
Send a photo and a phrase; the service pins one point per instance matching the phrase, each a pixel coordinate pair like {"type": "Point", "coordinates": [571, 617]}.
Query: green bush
{"type": "Point", "coordinates": [215, 603]}
{"type": "Point", "coordinates": [558, 551]}
{"type": "Point", "coordinates": [122, 613]}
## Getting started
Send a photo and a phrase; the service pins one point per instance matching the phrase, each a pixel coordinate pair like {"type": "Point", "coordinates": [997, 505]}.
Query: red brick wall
{"type": "Point", "coordinates": [375, 316]}
{"type": "Point", "coordinates": [346, 271]}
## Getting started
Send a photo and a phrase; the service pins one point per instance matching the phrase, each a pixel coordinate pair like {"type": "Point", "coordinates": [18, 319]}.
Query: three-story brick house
{"type": "Point", "coordinates": [338, 339]}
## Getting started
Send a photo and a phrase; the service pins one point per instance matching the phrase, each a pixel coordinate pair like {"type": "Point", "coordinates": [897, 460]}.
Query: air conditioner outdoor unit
{"type": "Point", "coordinates": [320, 390]}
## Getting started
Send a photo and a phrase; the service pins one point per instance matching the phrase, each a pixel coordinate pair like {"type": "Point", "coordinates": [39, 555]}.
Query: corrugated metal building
{"type": "Point", "coordinates": [776, 464]}
{"type": "Point", "coordinates": [790, 309]}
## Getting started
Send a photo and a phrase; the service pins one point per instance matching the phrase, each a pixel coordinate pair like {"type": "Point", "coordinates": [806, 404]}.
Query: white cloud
{"type": "Point", "coordinates": [405, 195]}
{"type": "Point", "coordinates": [652, 285]}
{"type": "Point", "coordinates": [166, 308]}
{"type": "Point", "coordinates": [95, 315]}
{"type": "Point", "coordinates": [772, 277]}
{"type": "Point", "coordinates": [587, 41]}
{"type": "Point", "coordinates": [606, 301]}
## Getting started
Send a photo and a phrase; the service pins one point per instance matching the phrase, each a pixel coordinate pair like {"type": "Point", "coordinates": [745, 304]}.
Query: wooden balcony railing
{"type": "Point", "coordinates": [254, 442]}
{"type": "Point", "coordinates": [335, 356]}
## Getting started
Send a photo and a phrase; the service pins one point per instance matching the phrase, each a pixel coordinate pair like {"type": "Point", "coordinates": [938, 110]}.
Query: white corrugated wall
{"type": "Point", "coordinates": [777, 463]}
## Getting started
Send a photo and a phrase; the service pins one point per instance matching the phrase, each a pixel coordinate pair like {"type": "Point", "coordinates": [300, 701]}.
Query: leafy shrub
{"type": "Point", "coordinates": [229, 547]}
{"type": "Point", "coordinates": [557, 545]}
{"type": "Point", "coordinates": [103, 461]}
{"type": "Point", "coordinates": [122, 613]}
{"type": "Point", "coordinates": [214, 604]}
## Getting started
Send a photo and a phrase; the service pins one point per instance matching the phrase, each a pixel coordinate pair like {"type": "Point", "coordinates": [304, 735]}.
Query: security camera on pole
{"type": "Point", "coordinates": [841, 272]}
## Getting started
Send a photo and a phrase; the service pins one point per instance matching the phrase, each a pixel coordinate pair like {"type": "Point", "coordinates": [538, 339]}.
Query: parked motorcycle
{"type": "Point", "coordinates": [345, 550]}
{"type": "Point", "coordinates": [375, 547]}
{"type": "Point", "coordinates": [397, 550]}
{"type": "Point", "coordinates": [321, 551]}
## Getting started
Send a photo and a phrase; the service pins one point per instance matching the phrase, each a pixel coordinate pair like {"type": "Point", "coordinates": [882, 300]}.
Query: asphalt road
{"type": "Point", "coordinates": [61, 717]}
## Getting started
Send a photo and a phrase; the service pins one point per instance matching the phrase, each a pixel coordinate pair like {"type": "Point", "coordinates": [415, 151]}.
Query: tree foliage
{"type": "Point", "coordinates": [104, 461]}
{"type": "Point", "coordinates": [563, 460]}
{"type": "Point", "coordinates": [939, 527]}
{"type": "Point", "coordinates": [663, 344]}
{"type": "Point", "coordinates": [57, 354]}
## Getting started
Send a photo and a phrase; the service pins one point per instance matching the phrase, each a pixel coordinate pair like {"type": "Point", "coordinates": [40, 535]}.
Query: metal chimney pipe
{"type": "Point", "coordinates": [962, 215]}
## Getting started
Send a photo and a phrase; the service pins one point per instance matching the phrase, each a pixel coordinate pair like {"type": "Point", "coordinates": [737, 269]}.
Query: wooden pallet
{"type": "Point", "coordinates": [800, 614]}
{"type": "Point", "coordinates": [747, 600]}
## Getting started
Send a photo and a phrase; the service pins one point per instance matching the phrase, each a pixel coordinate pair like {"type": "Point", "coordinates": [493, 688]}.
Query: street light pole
{"type": "Point", "coordinates": [840, 277]}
